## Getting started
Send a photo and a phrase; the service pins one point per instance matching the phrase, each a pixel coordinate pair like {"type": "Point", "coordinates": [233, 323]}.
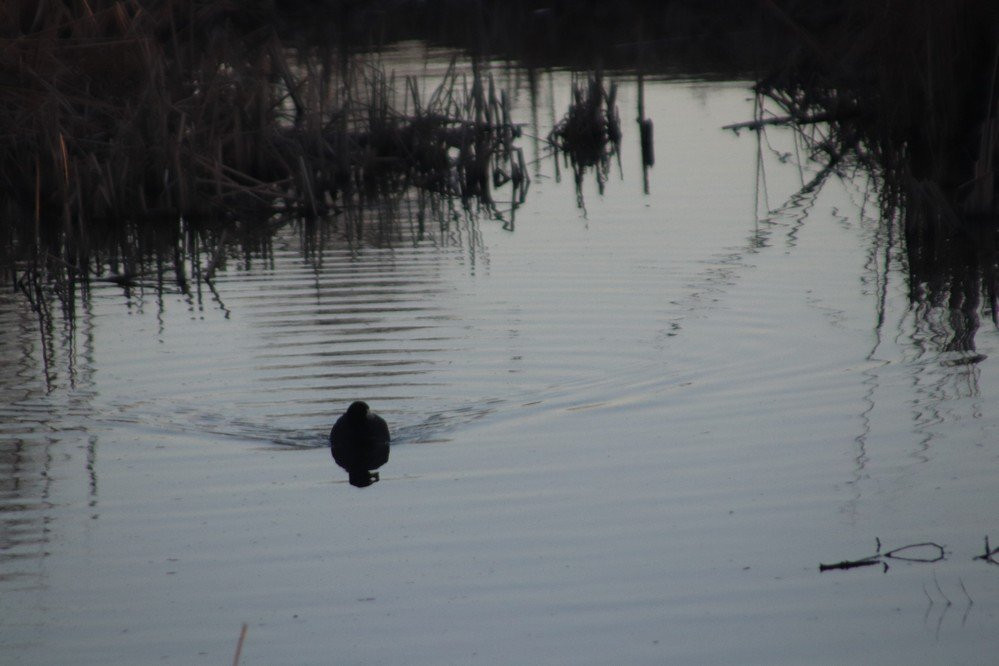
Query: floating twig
{"type": "Point", "coordinates": [852, 564]}
{"type": "Point", "coordinates": [937, 555]}
{"type": "Point", "coordinates": [989, 552]}
{"type": "Point", "coordinates": [239, 645]}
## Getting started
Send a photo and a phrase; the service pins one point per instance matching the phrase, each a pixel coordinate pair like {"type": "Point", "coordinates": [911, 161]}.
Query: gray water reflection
{"type": "Point", "coordinates": [780, 397]}
{"type": "Point", "coordinates": [45, 392]}
{"type": "Point", "coordinates": [932, 340]}
{"type": "Point", "coordinates": [369, 306]}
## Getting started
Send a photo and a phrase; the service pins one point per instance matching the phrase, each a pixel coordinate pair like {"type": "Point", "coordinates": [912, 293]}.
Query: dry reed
{"type": "Point", "coordinates": [131, 130]}
{"type": "Point", "coordinates": [589, 134]}
{"type": "Point", "coordinates": [910, 92]}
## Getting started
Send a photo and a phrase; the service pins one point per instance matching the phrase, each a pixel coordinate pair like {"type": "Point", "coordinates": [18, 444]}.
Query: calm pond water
{"type": "Point", "coordinates": [624, 434]}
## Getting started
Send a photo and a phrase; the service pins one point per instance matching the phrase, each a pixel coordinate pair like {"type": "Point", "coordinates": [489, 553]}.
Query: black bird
{"type": "Point", "coordinates": [359, 442]}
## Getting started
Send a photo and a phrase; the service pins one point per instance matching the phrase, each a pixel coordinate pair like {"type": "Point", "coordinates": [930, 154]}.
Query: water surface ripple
{"type": "Point", "coordinates": [628, 433]}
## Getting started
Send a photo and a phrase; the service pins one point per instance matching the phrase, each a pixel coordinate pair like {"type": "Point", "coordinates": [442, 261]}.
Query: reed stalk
{"type": "Point", "coordinates": [152, 122]}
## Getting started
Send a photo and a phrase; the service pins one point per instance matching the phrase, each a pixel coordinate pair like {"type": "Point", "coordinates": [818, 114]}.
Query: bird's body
{"type": "Point", "coordinates": [359, 442]}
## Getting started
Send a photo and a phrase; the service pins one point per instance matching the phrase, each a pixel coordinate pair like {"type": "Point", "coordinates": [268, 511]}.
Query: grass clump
{"type": "Point", "coordinates": [129, 128]}
{"type": "Point", "coordinates": [589, 134]}
{"type": "Point", "coordinates": [908, 91]}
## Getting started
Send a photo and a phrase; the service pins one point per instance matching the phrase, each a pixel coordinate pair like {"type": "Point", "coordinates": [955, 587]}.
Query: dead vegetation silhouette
{"type": "Point", "coordinates": [129, 130]}
{"type": "Point", "coordinates": [140, 141]}
{"type": "Point", "coordinates": [908, 92]}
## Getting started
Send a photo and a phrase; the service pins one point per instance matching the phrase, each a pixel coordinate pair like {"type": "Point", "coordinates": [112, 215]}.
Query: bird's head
{"type": "Point", "coordinates": [358, 410]}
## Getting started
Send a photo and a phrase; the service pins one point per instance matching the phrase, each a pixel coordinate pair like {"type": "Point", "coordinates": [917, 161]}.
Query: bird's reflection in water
{"type": "Point", "coordinates": [359, 442]}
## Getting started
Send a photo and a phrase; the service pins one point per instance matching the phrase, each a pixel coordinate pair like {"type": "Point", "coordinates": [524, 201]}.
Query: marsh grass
{"type": "Point", "coordinates": [151, 141]}
{"type": "Point", "coordinates": [906, 91]}
{"type": "Point", "coordinates": [141, 139]}
{"type": "Point", "coordinates": [908, 88]}
{"type": "Point", "coordinates": [589, 135]}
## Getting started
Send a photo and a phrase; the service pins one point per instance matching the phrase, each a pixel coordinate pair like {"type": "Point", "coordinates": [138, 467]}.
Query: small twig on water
{"type": "Point", "coordinates": [896, 554]}
{"type": "Point", "coordinates": [239, 645]}
{"type": "Point", "coordinates": [989, 552]}
{"type": "Point", "coordinates": [851, 564]}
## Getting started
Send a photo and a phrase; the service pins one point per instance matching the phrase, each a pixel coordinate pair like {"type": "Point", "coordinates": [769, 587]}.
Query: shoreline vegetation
{"type": "Point", "coordinates": [140, 132]}
{"type": "Point", "coordinates": [156, 125]}
{"type": "Point", "coordinates": [909, 92]}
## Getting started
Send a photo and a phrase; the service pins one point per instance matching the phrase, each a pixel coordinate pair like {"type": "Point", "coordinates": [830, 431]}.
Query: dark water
{"type": "Point", "coordinates": [629, 433]}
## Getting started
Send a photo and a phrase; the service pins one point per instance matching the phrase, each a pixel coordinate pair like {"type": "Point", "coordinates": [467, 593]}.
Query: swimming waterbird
{"type": "Point", "coordinates": [359, 442]}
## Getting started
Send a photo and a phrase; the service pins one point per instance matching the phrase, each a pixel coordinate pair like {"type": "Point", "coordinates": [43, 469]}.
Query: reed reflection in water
{"type": "Point", "coordinates": [779, 397]}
